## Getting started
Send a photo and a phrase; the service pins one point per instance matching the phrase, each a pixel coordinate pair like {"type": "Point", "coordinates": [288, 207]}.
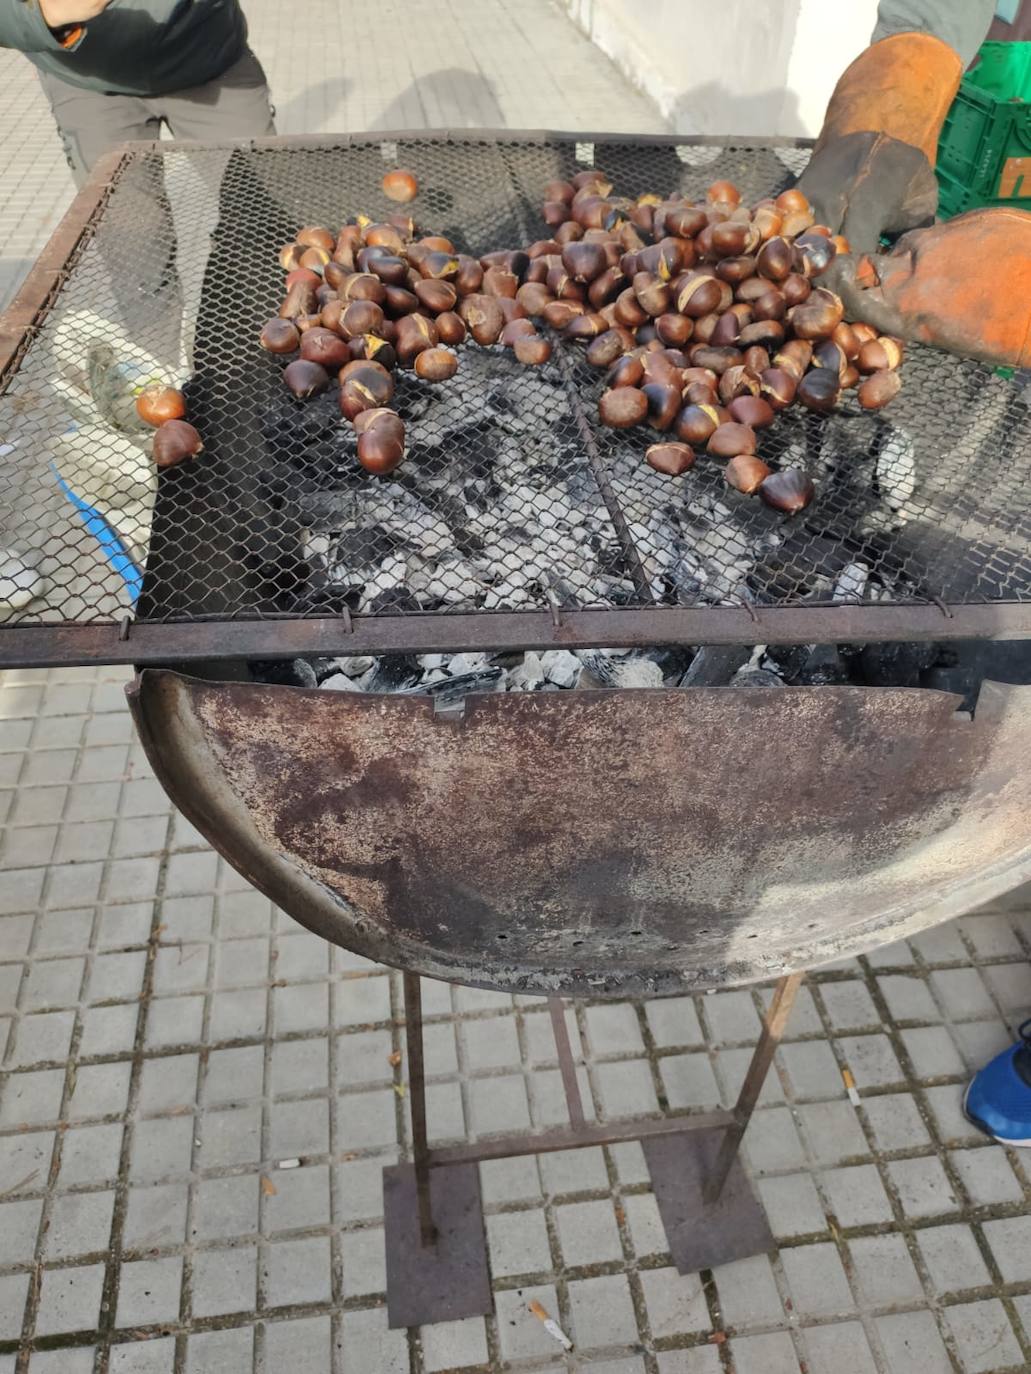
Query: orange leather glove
{"type": "Point", "coordinates": [872, 170]}
{"type": "Point", "coordinates": [964, 285]}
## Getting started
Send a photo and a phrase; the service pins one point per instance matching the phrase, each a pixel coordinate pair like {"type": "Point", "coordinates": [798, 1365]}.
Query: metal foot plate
{"type": "Point", "coordinates": [703, 1235]}
{"type": "Point", "coordinates": [450, 1279]}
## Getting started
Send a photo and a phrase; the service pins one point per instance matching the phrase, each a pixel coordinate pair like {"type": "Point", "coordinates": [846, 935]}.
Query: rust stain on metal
{"type": "Point", "coordinates": [604, 841]}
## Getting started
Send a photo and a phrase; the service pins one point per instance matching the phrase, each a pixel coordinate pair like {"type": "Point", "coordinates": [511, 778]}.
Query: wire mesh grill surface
{"type": "Point", "coordinates": [512, 496]}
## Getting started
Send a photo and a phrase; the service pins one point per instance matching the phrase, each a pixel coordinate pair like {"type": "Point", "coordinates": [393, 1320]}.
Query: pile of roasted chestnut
{"type": "Point", "coordinates": [375, 297]}
{"type": "Point", "coordinates": [706, 318]}
{"type": "Point", "coordinates": [175, 439]}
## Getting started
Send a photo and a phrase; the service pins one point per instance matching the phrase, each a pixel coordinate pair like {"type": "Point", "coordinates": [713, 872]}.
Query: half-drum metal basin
{"type": "Point", "coordinates": [603, 843]}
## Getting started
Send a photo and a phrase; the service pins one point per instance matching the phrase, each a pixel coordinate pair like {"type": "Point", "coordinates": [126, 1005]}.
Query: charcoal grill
{"type": "Point", "coordinates": [588, 843]}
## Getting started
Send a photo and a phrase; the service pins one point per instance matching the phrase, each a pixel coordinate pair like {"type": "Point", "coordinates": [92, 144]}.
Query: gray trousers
{"type": "Point", "coordinates": [90, 123]}
{"type": "Point", "coordinates": [155, 289]}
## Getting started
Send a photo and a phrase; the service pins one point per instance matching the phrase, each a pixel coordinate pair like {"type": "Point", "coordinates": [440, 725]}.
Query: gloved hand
{"type": "Point", "coordinates": [964, 285]}
{"type": "Point", "coordinates": [872, 171]}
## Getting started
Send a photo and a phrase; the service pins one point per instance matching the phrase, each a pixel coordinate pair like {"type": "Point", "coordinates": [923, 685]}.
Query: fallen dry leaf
{"type": "Point", "coordinates": [268, 1187]}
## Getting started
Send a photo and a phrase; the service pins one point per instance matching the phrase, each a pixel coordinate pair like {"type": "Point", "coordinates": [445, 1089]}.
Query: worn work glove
{"type": "Point", "coordinates": [872, 170]}
{"type": "Point", "coordinates": [964, 285]}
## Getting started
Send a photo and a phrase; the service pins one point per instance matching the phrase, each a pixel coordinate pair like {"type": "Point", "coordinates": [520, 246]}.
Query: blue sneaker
{"type": "Point", "coordinates": [998, 1098]}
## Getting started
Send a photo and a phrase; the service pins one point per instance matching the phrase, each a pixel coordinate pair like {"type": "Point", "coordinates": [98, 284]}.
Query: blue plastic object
{"type": "Point", "coordinates": [113, 549]}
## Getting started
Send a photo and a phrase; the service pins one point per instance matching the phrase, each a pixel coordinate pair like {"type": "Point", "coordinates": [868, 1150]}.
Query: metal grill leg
{"type": "Point", "coordinates": [436, 1247]}
{"type": "Point", "coordinates": [772, 1033]}
{"type": "Point", "coordinates": [417, 1091]}
{"type": "Point", "coordinates": [709, 1211]}
{"type": "Point", "coordinates": [570, 1086]}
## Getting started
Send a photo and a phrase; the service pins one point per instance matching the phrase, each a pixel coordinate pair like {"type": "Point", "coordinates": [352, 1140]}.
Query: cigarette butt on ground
{"type": "Point", "coordinates": [552, 1327]}
{"type": "Point", "coordinates": [850, 1087]}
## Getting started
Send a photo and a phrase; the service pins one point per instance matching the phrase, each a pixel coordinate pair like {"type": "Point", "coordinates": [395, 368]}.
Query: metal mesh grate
{"type": "Point", "coordinates": [512, 497]}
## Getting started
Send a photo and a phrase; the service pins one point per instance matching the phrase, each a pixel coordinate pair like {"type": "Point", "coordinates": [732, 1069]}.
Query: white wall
{"type": "Point", "coordinates": [733, 67]}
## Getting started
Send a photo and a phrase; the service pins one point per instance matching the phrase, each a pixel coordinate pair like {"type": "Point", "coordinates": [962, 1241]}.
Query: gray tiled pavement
{"type": "Point", "coordinates": [169, 1041]}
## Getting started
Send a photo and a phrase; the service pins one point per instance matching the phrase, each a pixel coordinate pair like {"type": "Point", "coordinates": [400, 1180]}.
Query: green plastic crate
{"type": "Point", "coordinates": [984, 155]}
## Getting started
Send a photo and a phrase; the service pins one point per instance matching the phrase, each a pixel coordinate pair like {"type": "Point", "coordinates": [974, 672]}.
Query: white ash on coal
{"type": "Point", "coordinates": [450, 676]}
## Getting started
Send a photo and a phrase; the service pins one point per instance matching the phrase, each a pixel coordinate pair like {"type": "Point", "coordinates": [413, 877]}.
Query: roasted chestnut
{"type": "Point", "coordinates": [584, 261]}
{"type": "Point", "coordinates": [746, 473]}
{"type": "Point", "coordinates": [723, 193]}
{"type": "Point", "coordinates": [663, 403]}
{"type": "Point", "coordinates": [361, 317]}
{"type": "Point", "coordinates": [684, 221]}
{"type": "Point", "coordinates": [499, 281]}
{"type": "Point", "coordinates": [533, 297]}
{"type": "Point", "coordinates": [792, 200]}
{"type": "Point", "coordinates": [157, 403]}
{"type": "Point", "coordinates": [770, 306]}
{"type": "Point", "coordinates": [729, 239]}
{"type": "Point", "coordinates": [300, 300]}
{"type": "Point", "coordinates": [303, 274]}
{"type": "Point", "coordinates": [375, 349]}
{"type": "Point", "coordinates": [795, 356]}
{"type": "Point", "coordinates": [796, 289]}
{"type": "Point", "coordinates": [439, 265]}
{"type": "Point", "coordinates": [788, 491]}
{"type": "Point", "coordinates": [751, 410]}
{"type": "Point", "coordinates": [626, 371]}
{"type": "Point", "coordinates": [177, 440]}
{"type": "Point", "coordinates": [415, 333]}
{"type": "Point", "coordinates": [814, 254]}
{"type": "Point", "coordinates": [450, 328]}
{"type": "Point", "coordinates": [878, 389]}
{"type": "Point", "coordinates": [517, 329]}
{"type": "Point", "coordinates": [737, 381]}
{"type": "Point", "coordinates": [628, 311]}
{"type": "Point", "coordinates": [320, 345]}
{"type": "Point", "coordinates": [559, 313]}
{"type": "Point", "coordinates": [623, 408]}
{"type": "Point", "coordinates": [363, 286]}
{"type": "Point", "coordinates": [653, 295]}
{"type": "Point", "coordinates": [607, 347]}
{"type": "Point", "coordinates": [606, 287]}
{"type": "Point", "coordinates": [697, 423]}
{"type": "Point", "coordinates": [716, 359]}
{"type": "Point", "coordinates": [532, 350]}
{"type": "Point", "coordinates": [698, 294]}
{"type": "Point", "coordinates": [583, 328]}
{"type": "Point", "coordinates": [313, 236]}
{"type": "Point", "coordinates": [845, 337]}
{"type": "Point", "coordinates": [364, 389]}
{"type": "Point", "coordinates": [819, 390]}
{"type": "Point", "coordinates": [879, 355]}
{"type": "Point", "coordinates": [280, 336]}
{"type": "Point", "coordinates": [305, 378]}
{"type": "Point", "coordinates": [776, 259]}
{"type": "Point", "coordinates": [483, 317]}
{"type": "Point", "coordinates": [669, 459]}
{"type": "Point", "coordinates": [731, 439]}
{"type": "Point", "coordinates": [436, 296]}
{"type": "Point", "coordinates": [400, 185]}
{"type": "Point", "coordinates": [818, 317]}
{"type": "Point", "coordinates": [727, 330]}
{"type": "Point", "coordinates": [777, 387]}
{"type": "Point", "coordinates": [381, 441]}
{"type": "Point", "coordinates": [436, 365]}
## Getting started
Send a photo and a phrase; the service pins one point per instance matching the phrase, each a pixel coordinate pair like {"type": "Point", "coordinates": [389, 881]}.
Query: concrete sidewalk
{"type": "Point", "coordinates": [168, 1041]}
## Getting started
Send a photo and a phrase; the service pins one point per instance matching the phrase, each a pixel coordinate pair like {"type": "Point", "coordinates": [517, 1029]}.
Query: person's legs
{"type": "Point", "coordinates": [235, 105]}
{"type": "Point", "coordinates": [91, 123]}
